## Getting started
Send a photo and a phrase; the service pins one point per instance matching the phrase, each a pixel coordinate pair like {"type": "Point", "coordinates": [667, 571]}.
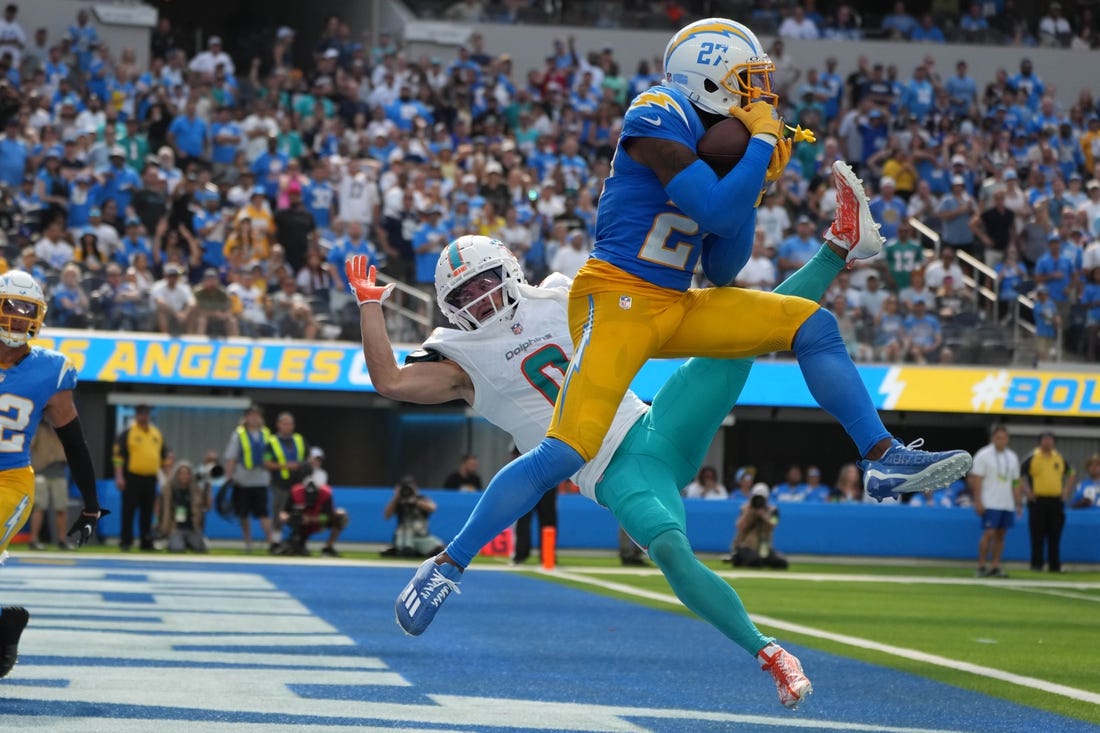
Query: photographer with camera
{"type": "Point", "coordinates": [411, 539]}
{"type": "Point", "coordinates": [184, 500]}
{"type": "Point", "coordinates": [309, 509]}
{"type": "Point", "coordinates": [752, 546]}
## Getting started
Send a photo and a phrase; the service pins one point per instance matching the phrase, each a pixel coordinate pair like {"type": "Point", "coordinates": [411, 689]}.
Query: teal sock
{"type": "Point", "coordinates": [703, 592]}
{"type": "Point", "coordinates": [814, 278]}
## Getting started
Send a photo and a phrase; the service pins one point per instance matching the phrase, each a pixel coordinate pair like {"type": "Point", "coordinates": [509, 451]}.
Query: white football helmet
{"type": "Point", "coordinates": [22, 308]}
{"type": "Point", "coordinates": [718, 64]}
{"type": "Point", "coordinates": [486, 266]}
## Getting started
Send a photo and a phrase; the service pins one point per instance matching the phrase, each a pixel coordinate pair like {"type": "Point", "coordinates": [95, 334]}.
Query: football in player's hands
{"type": "Point", "coordinates": [722, 146]}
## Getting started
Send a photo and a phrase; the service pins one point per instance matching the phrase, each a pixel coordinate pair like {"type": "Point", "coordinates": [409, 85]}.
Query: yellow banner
{"type": "Point", "coordinates": [993, 391]}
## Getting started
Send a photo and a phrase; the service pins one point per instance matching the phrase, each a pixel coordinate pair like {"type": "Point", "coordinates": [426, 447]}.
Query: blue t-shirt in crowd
{"type": "Point", "coordinates": [191, 135]}
{"type": "Point", "coordinates": [1062, 269]}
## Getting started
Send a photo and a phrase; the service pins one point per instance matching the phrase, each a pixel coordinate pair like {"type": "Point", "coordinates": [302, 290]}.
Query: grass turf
{"type": "Point", "coordinates": [1039, 632]}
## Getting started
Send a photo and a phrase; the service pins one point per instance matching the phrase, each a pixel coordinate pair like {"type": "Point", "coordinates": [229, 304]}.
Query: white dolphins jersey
{"type": "Point", "coordinates": [517, 368]}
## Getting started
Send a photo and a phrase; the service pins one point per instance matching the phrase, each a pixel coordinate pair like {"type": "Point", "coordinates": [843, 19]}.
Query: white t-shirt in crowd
{"type": "Point", "coordinates": [999, 471]}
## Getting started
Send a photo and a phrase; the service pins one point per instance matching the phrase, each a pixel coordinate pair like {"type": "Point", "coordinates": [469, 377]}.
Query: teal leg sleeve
{"type": "Point", "coordinates": [703, 592]}
{"type": "Point", "coordinates": [814, 278]}
{"type": "Point", "coordinates": [692, 404]}
{"type": "Point", "coordinates": [662, 453]}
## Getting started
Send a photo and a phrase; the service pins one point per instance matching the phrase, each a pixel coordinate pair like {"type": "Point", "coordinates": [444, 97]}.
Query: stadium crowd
{"type": "Point", "coordinates": [980, 21]}
{"type": "Point", "coordinates": [202, 196]}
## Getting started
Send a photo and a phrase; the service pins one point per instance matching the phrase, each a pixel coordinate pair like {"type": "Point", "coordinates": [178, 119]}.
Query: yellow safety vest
{"type": "Point", "coordinates": [247, 459]}
{"type": "Point", "coordinates": [280, 456]}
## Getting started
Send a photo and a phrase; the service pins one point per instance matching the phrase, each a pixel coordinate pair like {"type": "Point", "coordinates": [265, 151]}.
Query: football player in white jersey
{"type": "Point", "coordinates": [35, 384]}
{"type": "Point", "coordinates": [507, 359]}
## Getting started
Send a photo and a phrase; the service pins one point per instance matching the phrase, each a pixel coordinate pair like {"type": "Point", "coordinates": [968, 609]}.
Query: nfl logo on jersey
{"type": "Point", "coordinates": [625, 301]}
{"type": "Point", "coordinates": [517, 328]}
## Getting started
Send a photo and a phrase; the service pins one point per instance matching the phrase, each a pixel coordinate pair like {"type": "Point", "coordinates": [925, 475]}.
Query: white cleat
{"type": "Point", "coordinates": [790, 681]}
{"type": "Point", "coordinates": [853, 227]}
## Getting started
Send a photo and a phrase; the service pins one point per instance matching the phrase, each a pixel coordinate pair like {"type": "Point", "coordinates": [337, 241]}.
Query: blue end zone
{"type": "Point", "coordinates": [494, 657]}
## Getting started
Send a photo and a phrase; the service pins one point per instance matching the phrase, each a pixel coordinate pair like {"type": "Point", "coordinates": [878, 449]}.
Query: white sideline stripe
{"type": "Point", "coordinates": [848, 578]}
{"type": "Point", "coordinates": [1059, 593]}
{"type": "Point", "coordinates": [1071, 692]}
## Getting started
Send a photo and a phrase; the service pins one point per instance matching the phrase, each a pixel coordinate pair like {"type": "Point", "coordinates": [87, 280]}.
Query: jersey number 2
{"type": "Point", "coordinates": [15, 414]}
{"type": "Point", "coordinates": [656, 249]}
{"type": "Point", "coordinates": [539, 366]}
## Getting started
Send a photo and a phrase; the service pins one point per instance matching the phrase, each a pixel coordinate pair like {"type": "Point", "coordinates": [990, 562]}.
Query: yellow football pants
{"type": "Point", "coordinates": [619, 321]}
{"type": "Point", "coordinates": [16, 502]}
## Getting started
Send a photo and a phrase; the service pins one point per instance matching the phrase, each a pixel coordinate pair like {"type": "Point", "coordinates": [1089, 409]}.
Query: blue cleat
{"type": "Point", "coordinates": [903, 470]}
{"type": "Point", "coordinates": [425, 593]}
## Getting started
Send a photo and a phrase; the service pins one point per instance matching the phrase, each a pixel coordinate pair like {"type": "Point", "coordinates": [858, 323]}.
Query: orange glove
{"type": "Point", "coordinates": [780, 157]}
{"type": "Point", "coordinates": [760, 117]}
{"type": "Point", "coordinates": [362, 281]}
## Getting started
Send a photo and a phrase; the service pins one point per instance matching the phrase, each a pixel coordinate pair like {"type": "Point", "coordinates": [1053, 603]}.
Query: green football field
{"type": "Point", "coordinates": [1033, 638]}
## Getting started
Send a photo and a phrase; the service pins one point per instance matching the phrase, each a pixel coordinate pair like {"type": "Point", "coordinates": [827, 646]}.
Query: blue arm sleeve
{"type": "Point", "coordinates": [724, 257]}
{"type": "Point", "coordinates": [713, 202]}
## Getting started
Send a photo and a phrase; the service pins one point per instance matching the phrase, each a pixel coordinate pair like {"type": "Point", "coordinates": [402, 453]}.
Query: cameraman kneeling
{"type": "Point", "coordinates": [308, 510]}
{"type": "Point", "coordinates": [752, 547]}
{"type": "Point", "coordinates": [412, 538]}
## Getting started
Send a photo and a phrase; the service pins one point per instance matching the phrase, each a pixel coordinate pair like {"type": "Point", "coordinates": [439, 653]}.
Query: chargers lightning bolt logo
{"type": "Point", "coordinates": [657, 98]}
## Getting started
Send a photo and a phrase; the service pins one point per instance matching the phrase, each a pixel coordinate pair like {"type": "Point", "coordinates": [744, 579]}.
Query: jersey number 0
{"type": "Point", "coordinates": [539, 366]}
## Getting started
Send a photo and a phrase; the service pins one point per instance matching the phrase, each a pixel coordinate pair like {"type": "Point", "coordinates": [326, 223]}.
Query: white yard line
{"type": "Point", "coordinates": [1053, 592]}
{"type": "Point", "coordinates": [855, 641]}
{"type": "Point", "coordinates": [852, 578]}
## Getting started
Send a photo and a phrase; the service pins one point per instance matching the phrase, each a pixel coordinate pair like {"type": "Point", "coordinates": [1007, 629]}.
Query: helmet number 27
{"type": "Point", "coordinates": [707, 50]}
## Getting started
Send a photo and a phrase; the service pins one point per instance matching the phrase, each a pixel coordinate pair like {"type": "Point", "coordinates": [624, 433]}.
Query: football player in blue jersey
{"type": "Point", "coordinates": [35, 384]}
{"type": "Point", "coordinates": [662, 211]}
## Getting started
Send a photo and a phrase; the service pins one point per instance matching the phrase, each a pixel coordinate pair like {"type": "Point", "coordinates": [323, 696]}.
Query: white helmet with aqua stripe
{"type": "Point", "coordinates": [718, 64]}
{"type": "Point", "coordinates": [477, 282]}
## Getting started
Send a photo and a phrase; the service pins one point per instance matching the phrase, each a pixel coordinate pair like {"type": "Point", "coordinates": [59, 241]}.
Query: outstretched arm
{"type": "Point", "coordinates": [426, 383]}
{"type": "Point", "coordinates": [61, 413]}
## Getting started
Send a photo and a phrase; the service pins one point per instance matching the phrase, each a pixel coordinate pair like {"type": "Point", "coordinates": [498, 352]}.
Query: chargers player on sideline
{"type": "Point", "coordinates": [648, 454]}
{"type": "Point", "coordinates": [662, 210]}
{"type": "Point", "coordinates": [35, 384]}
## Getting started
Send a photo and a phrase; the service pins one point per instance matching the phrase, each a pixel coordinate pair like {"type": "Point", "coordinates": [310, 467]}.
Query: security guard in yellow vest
{"type": "Point", "coordinates": [1047, 481]}
{"type": "Point", "coordinates": [285, 457]}
{"type": "Point", "coordinates": [138, 452]}
{"type": "Point", "coordinates": [244, 464]}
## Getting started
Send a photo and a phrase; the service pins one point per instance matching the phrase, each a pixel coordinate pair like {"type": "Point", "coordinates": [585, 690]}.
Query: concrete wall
{"type": "Point", "coordinates": [120, 25]}
{"type": "Point", "coordinates": [867, 530]}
